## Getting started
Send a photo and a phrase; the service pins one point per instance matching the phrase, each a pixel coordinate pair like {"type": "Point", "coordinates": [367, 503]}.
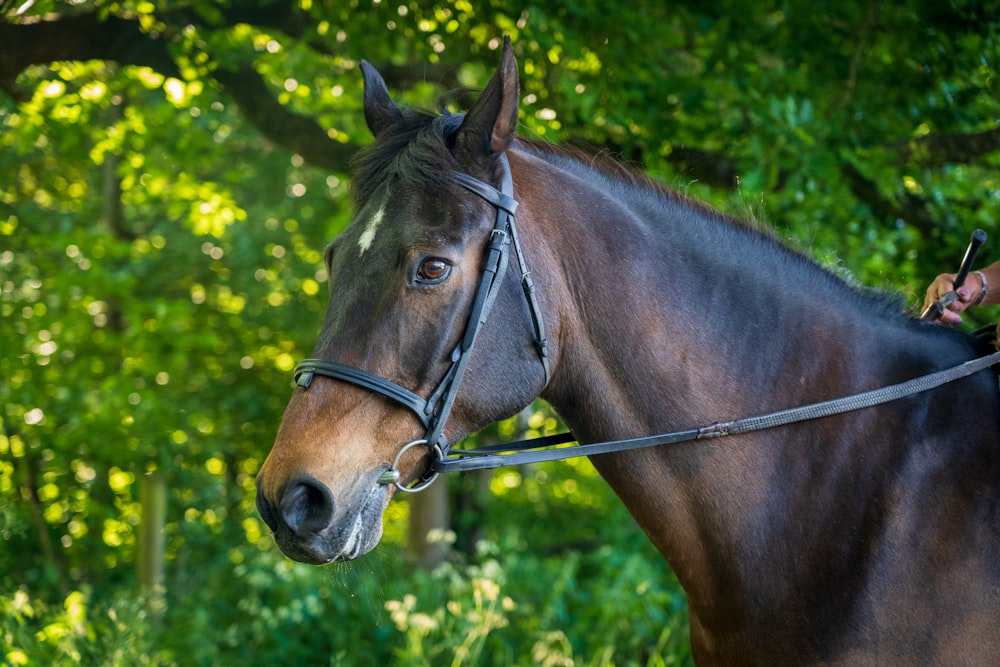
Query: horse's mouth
{"type": "Point", "coordinates": [352, 533]}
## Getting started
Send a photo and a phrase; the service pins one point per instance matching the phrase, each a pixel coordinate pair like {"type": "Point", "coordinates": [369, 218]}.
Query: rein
{"type": "Point", "coordinates": [433, 411]}
{"type": "Point", "coordinates": [533, 450]}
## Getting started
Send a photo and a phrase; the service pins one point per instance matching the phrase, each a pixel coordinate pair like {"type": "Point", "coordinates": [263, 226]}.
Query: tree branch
{"type": "Point", "coordinates": [937, 149]}
{"type": "Point", "coordinates": [930, 150]}
{"type": "Point", "coordinates": [288, 129]}
{"type": "Point", "coordinates": [864, 37]}
{"type": "Point", "coordinates": [94, 36]}
{"type": "Point", "coordinates": [912, 210]}
{"type": "Point", "coordinates": [714, 169]}
{"type": "Point", "coordinates": [80, 37]}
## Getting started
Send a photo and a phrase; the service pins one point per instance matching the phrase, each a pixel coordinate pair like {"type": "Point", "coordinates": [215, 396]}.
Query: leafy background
{"type": "Point", "coordinates": [169, 176]}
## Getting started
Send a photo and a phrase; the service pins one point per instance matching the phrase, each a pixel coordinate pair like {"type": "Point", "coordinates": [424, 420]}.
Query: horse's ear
{"type": "Point", "coordinates": [489, 126]}
{"type": "Point", "coordinates": [380, 110]}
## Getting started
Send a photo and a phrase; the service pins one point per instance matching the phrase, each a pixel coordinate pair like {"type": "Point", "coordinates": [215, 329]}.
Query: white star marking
{"type": "Point", "coordinates": [368, 235]}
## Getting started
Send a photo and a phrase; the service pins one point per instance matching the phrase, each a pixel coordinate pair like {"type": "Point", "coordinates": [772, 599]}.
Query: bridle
{"type": "Point", "coordinates": [433, 411]}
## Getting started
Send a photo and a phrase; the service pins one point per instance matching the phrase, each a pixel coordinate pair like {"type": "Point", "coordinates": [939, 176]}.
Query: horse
{"type": "Point", "coordinates": [862, 538]}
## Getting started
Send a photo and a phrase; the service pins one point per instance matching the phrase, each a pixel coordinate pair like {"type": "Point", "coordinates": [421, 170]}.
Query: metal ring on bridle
{"type": "Point", "coordinates": [392, 475]}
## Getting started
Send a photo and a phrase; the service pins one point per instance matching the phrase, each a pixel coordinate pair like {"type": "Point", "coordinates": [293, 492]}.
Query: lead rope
{"type": "Point", "coordinates": [527, 451]}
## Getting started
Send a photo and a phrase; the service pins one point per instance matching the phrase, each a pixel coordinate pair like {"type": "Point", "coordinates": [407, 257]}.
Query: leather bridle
{"type": "Point", "coordinates": [433, 411]}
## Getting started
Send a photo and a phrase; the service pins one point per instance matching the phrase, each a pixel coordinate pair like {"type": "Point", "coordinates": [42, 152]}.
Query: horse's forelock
{"type": "Point", "coordinates": [417, 147]}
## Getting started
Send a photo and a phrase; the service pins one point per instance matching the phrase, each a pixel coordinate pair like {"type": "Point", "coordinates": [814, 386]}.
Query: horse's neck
{"type": "Point", "coordinates": [660, 332]}
{"type": "Point", "coordinates": [669, 319]}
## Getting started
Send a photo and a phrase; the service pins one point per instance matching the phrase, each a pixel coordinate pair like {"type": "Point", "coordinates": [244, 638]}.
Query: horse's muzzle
{"type": "Point", "coordinates": [308, 528]}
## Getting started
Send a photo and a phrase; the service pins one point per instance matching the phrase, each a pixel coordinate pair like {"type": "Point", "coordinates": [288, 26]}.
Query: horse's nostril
{"type": "Point", "coordinates": [306, 506]}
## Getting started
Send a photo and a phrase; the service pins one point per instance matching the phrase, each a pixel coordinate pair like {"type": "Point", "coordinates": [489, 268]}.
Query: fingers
{"type": "Point", "coordinates": [950, 316]}
{"type": "Point", "coordinates": [941, 285]}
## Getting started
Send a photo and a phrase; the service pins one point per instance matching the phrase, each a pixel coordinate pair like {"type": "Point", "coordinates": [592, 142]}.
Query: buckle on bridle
{"type": "Point", "coordinates": [392, 475]}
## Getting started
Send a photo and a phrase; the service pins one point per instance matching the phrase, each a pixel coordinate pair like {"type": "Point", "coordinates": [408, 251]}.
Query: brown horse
{"type": "Point", "coordinates": [871, 537]}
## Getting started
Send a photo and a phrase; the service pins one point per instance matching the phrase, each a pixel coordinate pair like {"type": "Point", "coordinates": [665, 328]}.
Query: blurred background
{"type": "Point", "coordinates": [170, 174]}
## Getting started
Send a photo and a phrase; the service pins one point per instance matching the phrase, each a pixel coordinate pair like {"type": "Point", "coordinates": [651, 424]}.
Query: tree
{"type": "Point", "coordinates": [734, 102]}
{"type": "Point", "coordinates": [172, 172]}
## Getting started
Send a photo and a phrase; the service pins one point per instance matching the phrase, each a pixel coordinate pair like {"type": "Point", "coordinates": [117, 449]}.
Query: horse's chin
{"type": "Point", "coordinates": [353, 535]}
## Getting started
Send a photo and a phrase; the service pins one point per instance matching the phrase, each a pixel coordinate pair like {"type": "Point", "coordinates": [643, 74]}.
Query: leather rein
{"type": "Point", "coordinates": [433, 411]}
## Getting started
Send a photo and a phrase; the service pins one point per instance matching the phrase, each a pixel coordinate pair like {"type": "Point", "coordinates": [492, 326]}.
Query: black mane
{"type": "Point", "coordinates": [639, 188]}
{"type": "Point", "coordinates": [419, 147]}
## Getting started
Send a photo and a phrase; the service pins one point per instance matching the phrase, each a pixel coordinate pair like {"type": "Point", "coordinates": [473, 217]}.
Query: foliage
{"type": "Point", "coordinates": [523, 599]}
{"type": "Point", "coordinates": [169, 176]}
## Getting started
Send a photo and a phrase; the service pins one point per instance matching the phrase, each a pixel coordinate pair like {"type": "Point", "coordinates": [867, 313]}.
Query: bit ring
{"type": "Point", "coordinates": [392, 475]}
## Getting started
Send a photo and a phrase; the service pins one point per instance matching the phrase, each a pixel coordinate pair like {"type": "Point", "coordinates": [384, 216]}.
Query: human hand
{"type": "Point", "coordinates": [968, 294]}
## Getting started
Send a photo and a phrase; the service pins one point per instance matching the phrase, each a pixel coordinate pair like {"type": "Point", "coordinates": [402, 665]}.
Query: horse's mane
{"type": "Point", "coordinates": [603, 163]}
{"type": "Point", "coordinates": [634, 184]}
{"type": "Point", "coordinates": [419, 146]}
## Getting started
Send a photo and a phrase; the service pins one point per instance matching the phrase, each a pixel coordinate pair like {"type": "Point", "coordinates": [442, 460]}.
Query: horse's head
{"type": "Point", "coordinates": [404, 277]}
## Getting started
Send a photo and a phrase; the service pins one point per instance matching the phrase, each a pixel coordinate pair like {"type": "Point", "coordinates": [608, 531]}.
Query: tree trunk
{"type": "Point", "coordinates": [153, 497]}
{"type": "Point", "coordinates": [429, 524]}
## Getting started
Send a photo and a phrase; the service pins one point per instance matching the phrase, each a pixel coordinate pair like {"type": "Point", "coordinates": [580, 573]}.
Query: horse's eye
{"type": "Point", "coordinates": [433, 271]}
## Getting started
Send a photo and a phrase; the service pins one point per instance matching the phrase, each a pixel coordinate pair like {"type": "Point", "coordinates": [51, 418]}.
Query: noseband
{"type": "Point", "coordinates": [434, 410]}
